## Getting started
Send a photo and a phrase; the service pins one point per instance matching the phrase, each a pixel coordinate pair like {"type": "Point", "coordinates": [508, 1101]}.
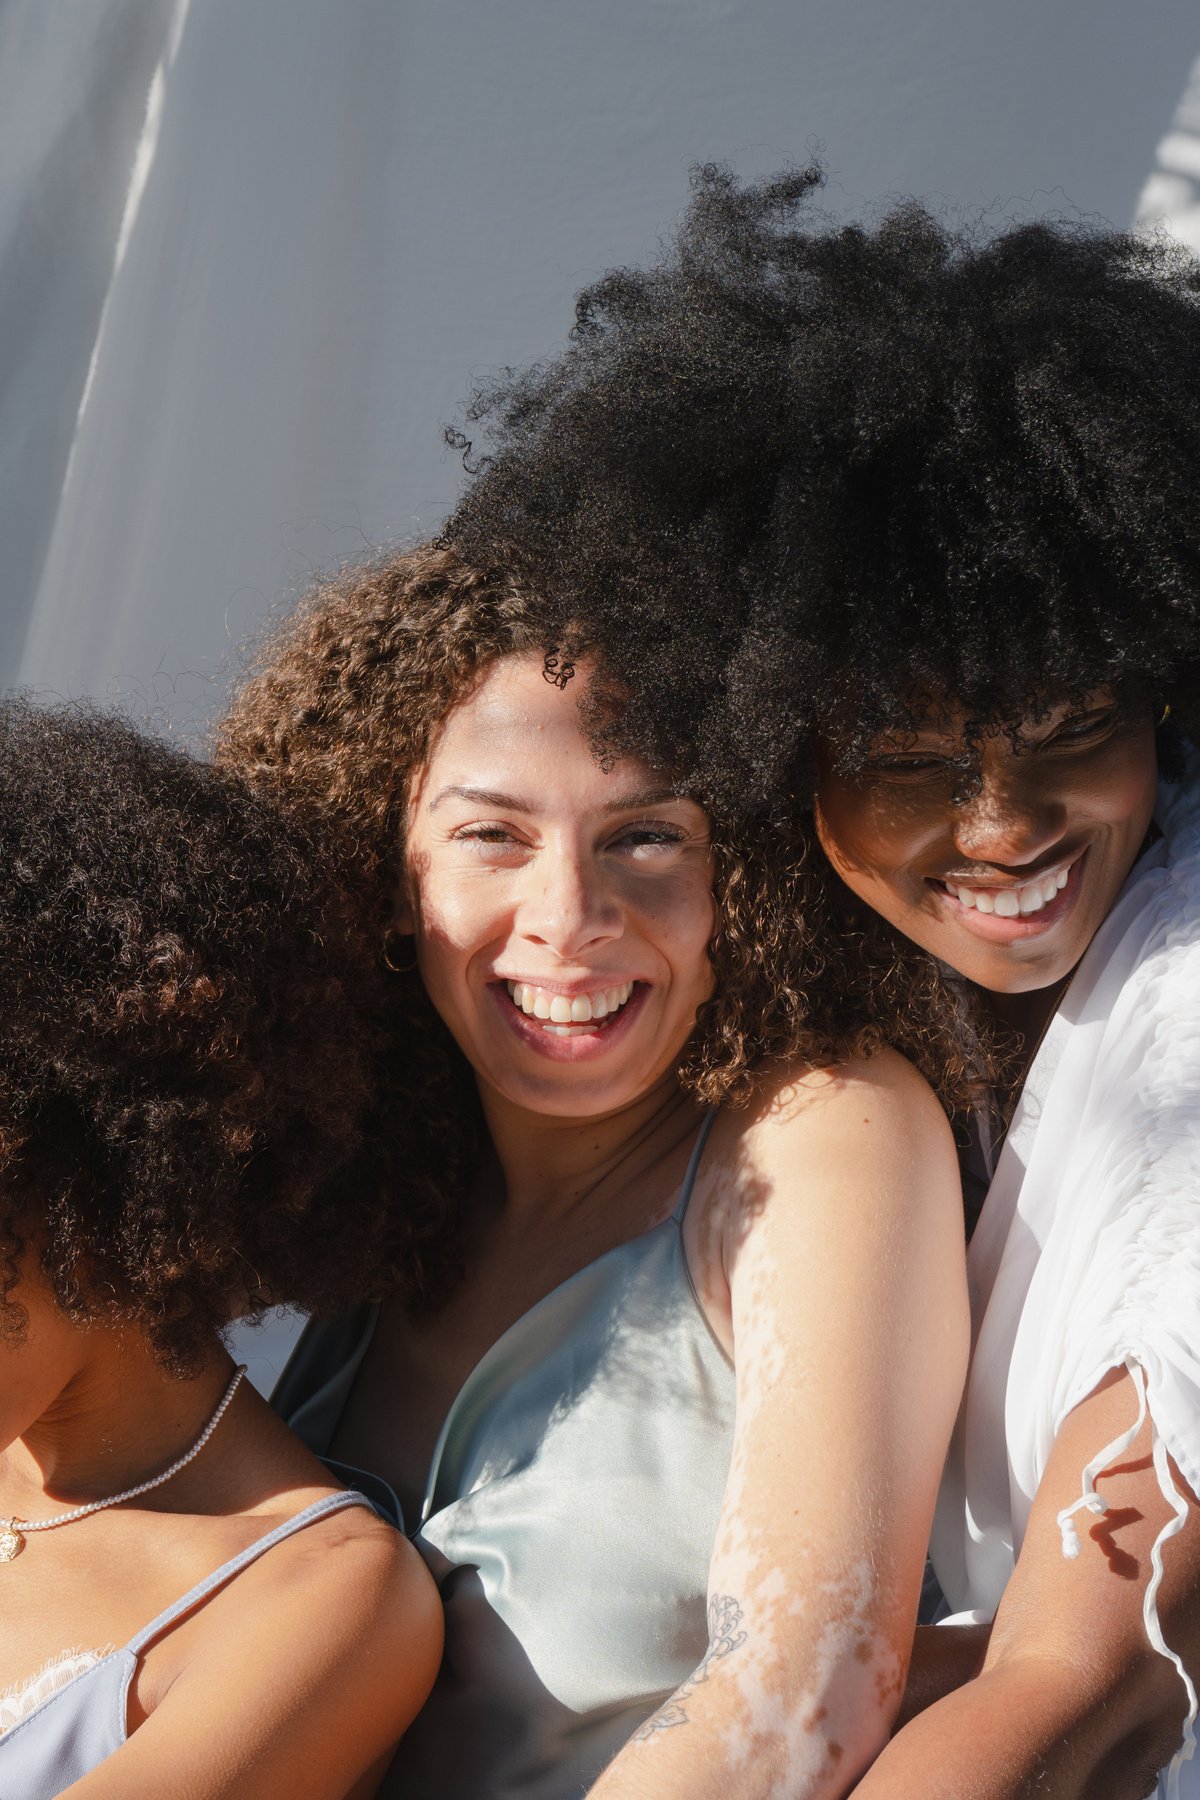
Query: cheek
{"type": "Point", "coordinates": [678, 914]}
{"type": "Point", "coordinates": [1133, 789]}
{"type": "Point", "coordinates": [1119, 791]}
{"type": "Point", "coordinates": [867, 837]}
{"type": "Point", "coordinates": [456, 911]}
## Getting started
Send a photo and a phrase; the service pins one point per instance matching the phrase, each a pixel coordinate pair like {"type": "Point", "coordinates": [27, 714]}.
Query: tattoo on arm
{"type": "Point", "coordinates": [724, 1617]}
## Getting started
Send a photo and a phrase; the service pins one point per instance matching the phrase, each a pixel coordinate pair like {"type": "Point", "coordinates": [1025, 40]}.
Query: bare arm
{"type": "Point", "coordinates": [943, 1658]}
{"type": "Point", "coordinates": [1072, 1699]}
{"type": "Point", "coordinates": [302, 1687]}
{"type": "Point", "coordinates": [841, 1238]}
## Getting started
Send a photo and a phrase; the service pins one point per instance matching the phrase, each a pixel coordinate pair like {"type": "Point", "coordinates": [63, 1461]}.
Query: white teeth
{"type": "Point", "coordinates": [559, 1012]}
{"type": "Point", "coordinates": [1009, 902]}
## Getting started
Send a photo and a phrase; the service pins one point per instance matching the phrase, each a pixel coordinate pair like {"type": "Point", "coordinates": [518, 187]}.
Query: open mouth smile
{"type": "Point", "coordinates": [570, 1028]}
{"type": "Point", "coordinates": [564, 1015]}
{"type": "Point", "coordinates": [1016, 909]}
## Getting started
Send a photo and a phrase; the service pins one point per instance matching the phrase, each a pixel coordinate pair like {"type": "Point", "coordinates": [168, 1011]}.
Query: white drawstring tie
{"type": "Point", "coordinates": [1096, 1504]}
{"type": "Point", "coordinates": [1103, 1460]}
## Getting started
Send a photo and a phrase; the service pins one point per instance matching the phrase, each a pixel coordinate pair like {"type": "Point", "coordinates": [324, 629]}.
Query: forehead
{"type": "Point", "coordinates": [511, 709]}
{"type": "Point", "coordinates": [516, 729]}
{"type": "Point", "coordinates": [942, 716]}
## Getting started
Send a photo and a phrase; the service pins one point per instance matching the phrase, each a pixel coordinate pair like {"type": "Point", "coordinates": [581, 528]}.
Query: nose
{"type": "Point", "coordinates": [1016, 817]}
{"type": "Point", "coordinates": [569, 908]}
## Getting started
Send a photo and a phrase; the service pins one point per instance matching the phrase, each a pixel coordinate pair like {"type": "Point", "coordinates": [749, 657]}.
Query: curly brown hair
{"type": "Point", "coordinates": [193, 1055]}
{"type": "Point", "coordinates": [341, 711]}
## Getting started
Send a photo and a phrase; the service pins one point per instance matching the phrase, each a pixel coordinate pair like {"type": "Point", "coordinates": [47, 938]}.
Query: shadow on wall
{"type": "Point", "coordinates": [1171, 196]}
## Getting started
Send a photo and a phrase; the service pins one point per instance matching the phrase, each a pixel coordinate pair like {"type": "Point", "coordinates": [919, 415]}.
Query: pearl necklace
{"type": "Point", "coordinates": [12, 1531]}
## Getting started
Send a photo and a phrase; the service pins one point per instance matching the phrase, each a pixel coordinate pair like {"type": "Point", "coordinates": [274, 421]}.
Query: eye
{"type": "Point", "coordinates": [648, 837]}
{"type": "Point", "coordinates": [484, 834]}
{"type": "Point", "coordinates": [489, 841]}
{"type": "Point", "coordinates": [907, 764]}
{"type": "Point", "coordinates": [1083, 728]}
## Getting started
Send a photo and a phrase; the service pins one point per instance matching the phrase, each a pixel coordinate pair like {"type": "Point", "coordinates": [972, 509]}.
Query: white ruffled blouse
{"type": "Point", "coordinates": [1087, 1253]}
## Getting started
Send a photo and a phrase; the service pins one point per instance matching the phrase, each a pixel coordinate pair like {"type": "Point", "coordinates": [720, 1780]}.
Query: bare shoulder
{"type": "Point", "coordinates": [343, 1576]}
{"type": "Point", "coordinates": [832, 1182]}
{"type": "Point", "coordinates": [358, 1556]}
{"type": "Point", "coordinates": [875, 1109]}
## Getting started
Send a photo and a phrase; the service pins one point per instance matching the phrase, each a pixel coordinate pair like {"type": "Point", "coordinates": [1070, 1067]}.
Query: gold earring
{"type": "Point", "coordinates": [1163, 716]}
{"type": "Point", "coordinates": [389, 961]}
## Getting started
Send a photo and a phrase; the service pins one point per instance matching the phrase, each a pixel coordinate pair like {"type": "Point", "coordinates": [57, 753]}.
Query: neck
{"type": "Point", "coordinates": [121, 1419]}
{"type": "Point", "coordinates": [1024, 1017]}
{"type": "Point", "coordinates": [554, 1165]}
{"type": "Point", "coordinates": [1026, 1014]}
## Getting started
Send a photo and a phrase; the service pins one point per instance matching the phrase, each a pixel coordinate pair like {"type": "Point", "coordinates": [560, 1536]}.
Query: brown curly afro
{"type": "Point", "coordinates": [193, 1060]}
{"type": "Point", "coordinates": [340, 713]}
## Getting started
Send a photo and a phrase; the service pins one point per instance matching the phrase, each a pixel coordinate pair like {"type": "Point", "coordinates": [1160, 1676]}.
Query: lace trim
{"type": "Point", "coordinates": [18, 1701]}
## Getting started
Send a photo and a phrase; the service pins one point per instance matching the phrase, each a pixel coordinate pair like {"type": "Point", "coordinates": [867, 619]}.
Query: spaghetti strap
{"type": "Point", "coordinates": [319, 1509]}
{"type": "Point", "coordinates": [689, 1180]}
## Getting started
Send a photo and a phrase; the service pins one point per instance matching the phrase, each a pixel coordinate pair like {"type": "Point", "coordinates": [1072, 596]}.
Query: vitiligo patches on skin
{"type": "Point", "coordinates": [796, 1660]}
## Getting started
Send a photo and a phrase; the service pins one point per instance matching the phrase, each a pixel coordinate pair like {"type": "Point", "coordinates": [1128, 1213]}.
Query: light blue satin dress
{"type": "Point", "coordinates": [73, 1731]}
{"type": "Point", "coordinates": [569, 1518]}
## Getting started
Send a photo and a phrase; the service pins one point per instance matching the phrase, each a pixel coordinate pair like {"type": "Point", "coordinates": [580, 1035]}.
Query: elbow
{"type": "Point", "coordinates": [857, 1723]}
{"type": "Point", "coordinates": [1089, 1738]}
{"type": "Point", "coordinates": [856, 1755]}
{"type": "Point", "coordinates": [1130, 1767]}
{"type": "Point", "coordinates": [818, 1741]}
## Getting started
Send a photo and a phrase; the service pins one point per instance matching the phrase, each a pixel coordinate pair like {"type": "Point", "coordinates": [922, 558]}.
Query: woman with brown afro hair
{"type": "Point", "coordinates": [665, 1396]}
{"type": "Point", "coordinates": [191, 1095]}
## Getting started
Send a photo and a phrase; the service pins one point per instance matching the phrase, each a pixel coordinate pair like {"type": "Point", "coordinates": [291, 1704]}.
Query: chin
{"type": "Point", "coordinates": [1015, 974]}
{"type": "Point", "coordinates": [580, 1105]}
{"type": "Point", "coordinates": [1019, 981]}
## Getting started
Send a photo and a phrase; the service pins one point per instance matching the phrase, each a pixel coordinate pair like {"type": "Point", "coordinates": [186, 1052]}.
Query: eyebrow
{"type": "Point", "coordinates": [515, 803]}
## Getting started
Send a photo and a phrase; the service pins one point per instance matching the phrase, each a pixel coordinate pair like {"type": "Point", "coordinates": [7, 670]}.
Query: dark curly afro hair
{"type": "Point", "coordinates": [802, 479]}
{"type": "Point", "coordinates": [191, 1045]}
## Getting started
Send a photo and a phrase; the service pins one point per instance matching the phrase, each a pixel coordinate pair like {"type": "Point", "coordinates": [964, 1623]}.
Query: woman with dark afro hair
{"type": "Point", "coordinates": [895, 529]}
{"type": "Point", "coordinates": [667, 1410]}
{"type": "Point", "coordinates": [189, 1099]}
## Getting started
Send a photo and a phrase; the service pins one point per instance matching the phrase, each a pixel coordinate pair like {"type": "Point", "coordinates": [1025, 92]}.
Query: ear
{"type": "Point", "coordinates": [404, 918]}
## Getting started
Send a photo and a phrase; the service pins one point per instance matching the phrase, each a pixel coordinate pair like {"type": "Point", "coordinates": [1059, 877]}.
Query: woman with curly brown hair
{"type": "Point", "coordinates": [666, 1399]}
{"type": "Point", "coordinates": [188, 1095]}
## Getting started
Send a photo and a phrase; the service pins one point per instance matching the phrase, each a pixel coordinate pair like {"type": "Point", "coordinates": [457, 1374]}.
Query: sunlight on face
{"type": "Point", "coordinates": [1010, 884]}
{"type": "Point", "coordinates": [562, 911]}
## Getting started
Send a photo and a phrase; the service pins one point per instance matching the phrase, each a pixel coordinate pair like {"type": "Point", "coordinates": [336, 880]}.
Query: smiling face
{"type": "Point", "coordinates": [562, 911]}
{"type": "Point", "coordinates": [1010, 885]}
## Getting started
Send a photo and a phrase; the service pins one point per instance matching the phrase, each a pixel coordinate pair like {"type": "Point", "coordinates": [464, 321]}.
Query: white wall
{"type": "Point", "coordinates": [283, 270]}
